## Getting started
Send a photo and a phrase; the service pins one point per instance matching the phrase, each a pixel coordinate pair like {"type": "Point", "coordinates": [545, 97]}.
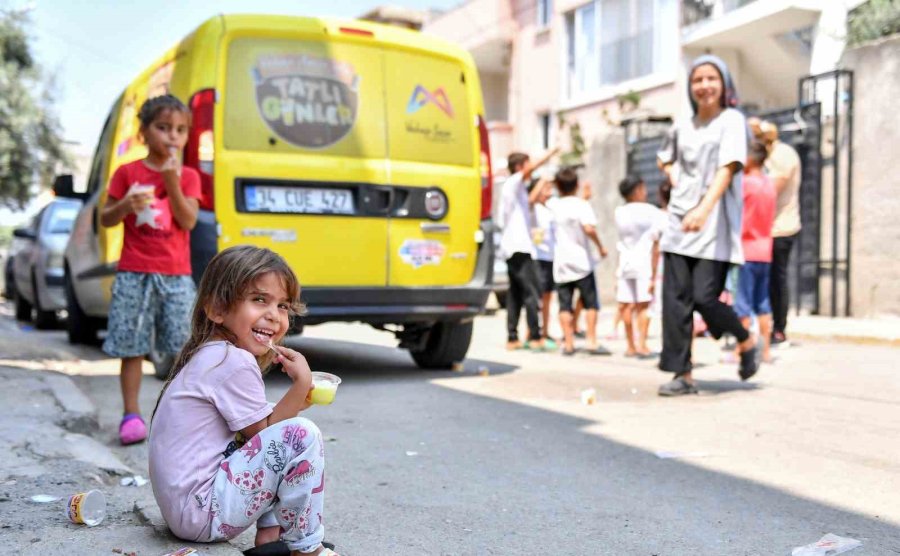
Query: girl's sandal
{"type": "Point", "coordinates": [280, 548]}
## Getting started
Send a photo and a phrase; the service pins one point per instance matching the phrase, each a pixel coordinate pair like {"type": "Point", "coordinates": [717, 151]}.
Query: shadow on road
{"type": "Point", "coordinates": [366, 362]}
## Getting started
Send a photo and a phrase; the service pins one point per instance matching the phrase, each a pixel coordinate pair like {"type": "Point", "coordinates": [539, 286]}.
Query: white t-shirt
{"type": "Point", "coordinates": [543, 220]}
{"type": "Point", "coordinates": [639, 226]}
{"type": "Point", "coordinates": [572, 258]}
{"type": "Point", "coordinates": [697, 150]}
{"type": "Point", "coordinates": [515, 218]}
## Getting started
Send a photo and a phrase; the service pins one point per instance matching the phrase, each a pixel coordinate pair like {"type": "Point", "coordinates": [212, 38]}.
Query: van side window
{"type": "Point", "coordinates": [101, 155]}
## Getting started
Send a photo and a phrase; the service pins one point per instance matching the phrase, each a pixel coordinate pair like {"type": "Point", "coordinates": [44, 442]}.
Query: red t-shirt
{"type": "Point", "coordinates": [154, 243]}
{"type": "Point", "coordinates": [759, 216]}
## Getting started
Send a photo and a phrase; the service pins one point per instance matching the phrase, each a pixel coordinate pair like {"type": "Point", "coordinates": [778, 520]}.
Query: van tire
{"type": "Point", "coordinates": [81, 328]}
{"type": "Point", "coordinates": [23, 308]}
{"type": "Point", "coordinates": [447, 344]}
{"type": "Point", "coordinates": [43, 320]}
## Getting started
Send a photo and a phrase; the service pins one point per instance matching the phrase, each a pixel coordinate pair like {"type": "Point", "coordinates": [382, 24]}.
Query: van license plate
{"type": "Point", "coordinates": [301, 200]}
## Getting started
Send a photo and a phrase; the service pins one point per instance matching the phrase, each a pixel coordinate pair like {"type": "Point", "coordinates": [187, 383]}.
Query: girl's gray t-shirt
{"type": "Point", "coordinates": [696, 152]}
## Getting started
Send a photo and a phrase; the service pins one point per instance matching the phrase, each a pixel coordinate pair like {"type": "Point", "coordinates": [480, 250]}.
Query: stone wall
{"type": "Point", "coordinates": [875, 243]}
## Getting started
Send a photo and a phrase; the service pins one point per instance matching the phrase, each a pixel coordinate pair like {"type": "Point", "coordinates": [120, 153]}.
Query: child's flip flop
{"type": "Point", "coordinates": [280, 548]}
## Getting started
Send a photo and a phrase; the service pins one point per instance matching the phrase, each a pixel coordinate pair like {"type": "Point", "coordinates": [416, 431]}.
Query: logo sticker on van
{"type": "Point", "coordinates": [422, 97]}
{"type": "Point", "coordinates": [421, 252]}
{"type": "Point", "coordinates": [309, 101]}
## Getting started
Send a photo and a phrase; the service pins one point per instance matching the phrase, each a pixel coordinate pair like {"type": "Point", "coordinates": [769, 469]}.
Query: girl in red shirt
{"type": "Point", "coordinates": [157, 200]}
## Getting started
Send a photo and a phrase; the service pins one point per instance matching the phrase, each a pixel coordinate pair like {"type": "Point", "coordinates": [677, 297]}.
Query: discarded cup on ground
{"type": "Point", "coordinates": [484, 371]}
{"type": "Point", "coordinates": [325, 388]}
{"type": "Point", "coordinates": [88, 508]}
{"type": "Point", "coordinates": [589, 396]}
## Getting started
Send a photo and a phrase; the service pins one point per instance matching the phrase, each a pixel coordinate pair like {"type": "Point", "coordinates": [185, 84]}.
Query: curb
{"type": "Point", "coordinates": [78, 412]}
{"type": "Point", "coordinates": [847, 339]}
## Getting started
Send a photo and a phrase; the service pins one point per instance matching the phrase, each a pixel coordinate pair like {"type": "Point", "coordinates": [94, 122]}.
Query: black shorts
{"type": "Point", "coordinates": [587, 288]}
{"type": "Point", "coordinates": [545, 276]}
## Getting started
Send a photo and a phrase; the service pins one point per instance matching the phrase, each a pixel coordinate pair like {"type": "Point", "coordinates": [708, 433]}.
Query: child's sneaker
{"type": "Point", "coordinates": [132, 429]}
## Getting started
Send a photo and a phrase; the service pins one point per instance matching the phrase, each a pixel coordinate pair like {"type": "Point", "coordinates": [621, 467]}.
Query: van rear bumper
{"type": "Point", "coordinates": [398, 305]}
{"type": "Point", "coordinates": [393, 305]}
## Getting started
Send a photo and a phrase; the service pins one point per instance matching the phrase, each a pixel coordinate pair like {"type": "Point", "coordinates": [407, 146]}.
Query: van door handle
{"type": "Point", "coordinates": [430, 228]}
{"type": "Point", "coordinates": [379, 199]}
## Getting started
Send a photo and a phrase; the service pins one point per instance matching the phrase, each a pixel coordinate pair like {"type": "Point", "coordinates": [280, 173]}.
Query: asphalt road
{"type": "Point", "coordinates": [513, 462]}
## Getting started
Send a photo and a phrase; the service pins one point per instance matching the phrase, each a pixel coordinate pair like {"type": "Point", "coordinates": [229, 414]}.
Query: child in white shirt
{"type": "Point", "coordinates": [638, 224]}
{"type": "Point", "coordinates": [573, 263]}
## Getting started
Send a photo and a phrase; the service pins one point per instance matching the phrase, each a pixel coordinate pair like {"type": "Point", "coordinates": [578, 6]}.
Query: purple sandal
{"type": "Point", "coordinates": [132, 429]}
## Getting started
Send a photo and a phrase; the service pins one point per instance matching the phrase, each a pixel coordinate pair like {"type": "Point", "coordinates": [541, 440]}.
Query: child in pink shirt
{"type": "Point", "coordinates": [756, 239]}
{"type": "Point", "coordinates": [209, 483]}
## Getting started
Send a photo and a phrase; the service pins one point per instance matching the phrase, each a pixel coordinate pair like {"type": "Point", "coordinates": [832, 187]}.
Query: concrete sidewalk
{"type": "Point", "coordinates": [45, 436]}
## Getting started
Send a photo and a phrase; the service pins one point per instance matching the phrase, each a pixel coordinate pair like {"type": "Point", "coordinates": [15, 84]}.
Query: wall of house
{"type": "Point", "coordinates": [875, 268]}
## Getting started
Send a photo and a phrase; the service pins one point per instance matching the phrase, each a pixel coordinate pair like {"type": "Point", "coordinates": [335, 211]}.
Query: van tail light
{"type": "Point", "coordinates": [199, 153]}
{"type": "Point", "coordinates": [487, 182]}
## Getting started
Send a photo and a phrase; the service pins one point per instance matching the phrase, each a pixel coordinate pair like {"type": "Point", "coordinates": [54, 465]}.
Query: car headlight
{"type": "Point", "coordinates": [56, 260]}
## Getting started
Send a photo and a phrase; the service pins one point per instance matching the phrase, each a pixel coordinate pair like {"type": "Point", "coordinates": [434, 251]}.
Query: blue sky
{"type": "Point", "coordinates": [95, 47]}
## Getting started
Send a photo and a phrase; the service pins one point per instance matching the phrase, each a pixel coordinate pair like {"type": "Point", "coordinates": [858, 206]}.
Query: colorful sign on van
{"type": "Point", "coordinates": [308, 101]}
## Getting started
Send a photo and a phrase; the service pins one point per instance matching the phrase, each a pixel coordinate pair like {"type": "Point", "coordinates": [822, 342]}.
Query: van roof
{"type": "Point", "coordinates": [384, 34]}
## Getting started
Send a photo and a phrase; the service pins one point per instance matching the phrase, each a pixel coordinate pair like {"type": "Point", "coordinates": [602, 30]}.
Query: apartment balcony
{"type": "Point", "coordinates": [711, 23]}
{"type": "Point", "coordinates": [483, 27]}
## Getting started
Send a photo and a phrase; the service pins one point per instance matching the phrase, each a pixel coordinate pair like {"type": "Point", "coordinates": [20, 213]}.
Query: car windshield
{"type": "Point", "coordinates": [61, 220]}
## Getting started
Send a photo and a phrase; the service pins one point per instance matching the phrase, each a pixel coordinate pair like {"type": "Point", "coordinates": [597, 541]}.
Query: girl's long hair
{"type": "Point", "coordinates": [223, 286]}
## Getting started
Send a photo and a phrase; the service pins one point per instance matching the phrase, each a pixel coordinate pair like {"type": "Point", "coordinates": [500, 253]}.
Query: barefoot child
{"type": "Point", "coordinates": [207, 486]}
{"type": "Point", "coordinates": [152, 294]}
{"type": "Point", "coordinates": [638, 224]}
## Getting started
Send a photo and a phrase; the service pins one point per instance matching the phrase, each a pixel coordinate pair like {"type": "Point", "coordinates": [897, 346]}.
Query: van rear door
{"type": "Point", "coordinates": [432, 148]}
{"type": "Point", "coordinates": [304, 144]}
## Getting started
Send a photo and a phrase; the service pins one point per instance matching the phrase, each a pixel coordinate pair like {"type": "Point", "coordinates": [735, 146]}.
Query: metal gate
{"type": "Point", "coordinates": [643, 139]}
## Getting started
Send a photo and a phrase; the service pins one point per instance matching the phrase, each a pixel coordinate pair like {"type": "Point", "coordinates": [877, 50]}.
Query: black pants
{"type": "Point", "coordinates": [693, 284]}
{"type": "Point", "coordinates": [778, 282]}
{"type": "Point", "coordinates": [523, 291]}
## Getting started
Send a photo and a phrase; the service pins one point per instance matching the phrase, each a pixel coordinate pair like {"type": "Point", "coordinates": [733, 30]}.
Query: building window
{"type": "Point", "coordinates": [544, 13]}
{"type": "Point", "coordinates": [544, 130]}
{"type": "Point", "coordinates": [611, 41]}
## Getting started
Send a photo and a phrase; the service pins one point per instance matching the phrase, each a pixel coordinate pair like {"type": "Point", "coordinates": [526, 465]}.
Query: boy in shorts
{"type": "Point", "coordinates": [573, 263]}
{"type": "Point", "coordinates": [639, 226]}
{"type": "Point", "coordinates": [756, 239]}
{"type": "Point", "coordinates": [544, 236]}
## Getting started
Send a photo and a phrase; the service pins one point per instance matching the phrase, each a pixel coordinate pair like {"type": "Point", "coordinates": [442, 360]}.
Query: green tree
{"type": "Point", "coordinates": [31, 146]}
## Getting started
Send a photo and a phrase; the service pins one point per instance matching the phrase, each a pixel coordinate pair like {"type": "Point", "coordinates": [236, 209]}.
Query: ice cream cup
{"type": "Point", "coordinates": [325, 388]}
{"type": "Point", "coordinates": [88, 508]}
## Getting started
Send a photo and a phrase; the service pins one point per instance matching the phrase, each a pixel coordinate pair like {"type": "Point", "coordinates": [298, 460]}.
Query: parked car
{"type": "Point", "coordinates": [38, 264]}
{"type": "Point", "coordinates": [358, 152]}
{"type": "Point", "coordinates": [9, 283]}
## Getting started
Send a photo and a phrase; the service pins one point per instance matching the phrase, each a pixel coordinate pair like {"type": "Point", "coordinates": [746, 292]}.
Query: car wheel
{"type": "Point", "coordinates": [447, 344]}
{"type": "Point", "coordinates": [23, 308]}
{"type": "Point", "coordinates": [501, 299]}
{"type": "Point", "coordinates": [43, 320]}
{"type": "Point", "coordinates": [81, 328]}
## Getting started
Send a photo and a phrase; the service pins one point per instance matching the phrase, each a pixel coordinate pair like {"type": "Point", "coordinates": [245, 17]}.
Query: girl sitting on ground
{"type": "Point", "coordinates": [208, 486]}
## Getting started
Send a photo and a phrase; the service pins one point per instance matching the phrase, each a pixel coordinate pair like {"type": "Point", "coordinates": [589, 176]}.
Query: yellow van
{"type": "Point", "coordinates": [357, 151]}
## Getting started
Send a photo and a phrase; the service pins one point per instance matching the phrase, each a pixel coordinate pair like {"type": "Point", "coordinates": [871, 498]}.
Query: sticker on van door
{"type": "Point", "coordinates": [421, 252]}
{"type": "Point", "coordinates": [308, 101]}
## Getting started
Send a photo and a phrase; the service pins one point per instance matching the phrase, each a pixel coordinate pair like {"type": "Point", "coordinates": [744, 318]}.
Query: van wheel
{"type": "Point", "coordinates": [43, 320]}
{"type": "Point", "coordinates": [23, 308]}
{"type": "Point", "coordinates": [81, 328]}
{"type": "Point", "coordinates": [447, 344]}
